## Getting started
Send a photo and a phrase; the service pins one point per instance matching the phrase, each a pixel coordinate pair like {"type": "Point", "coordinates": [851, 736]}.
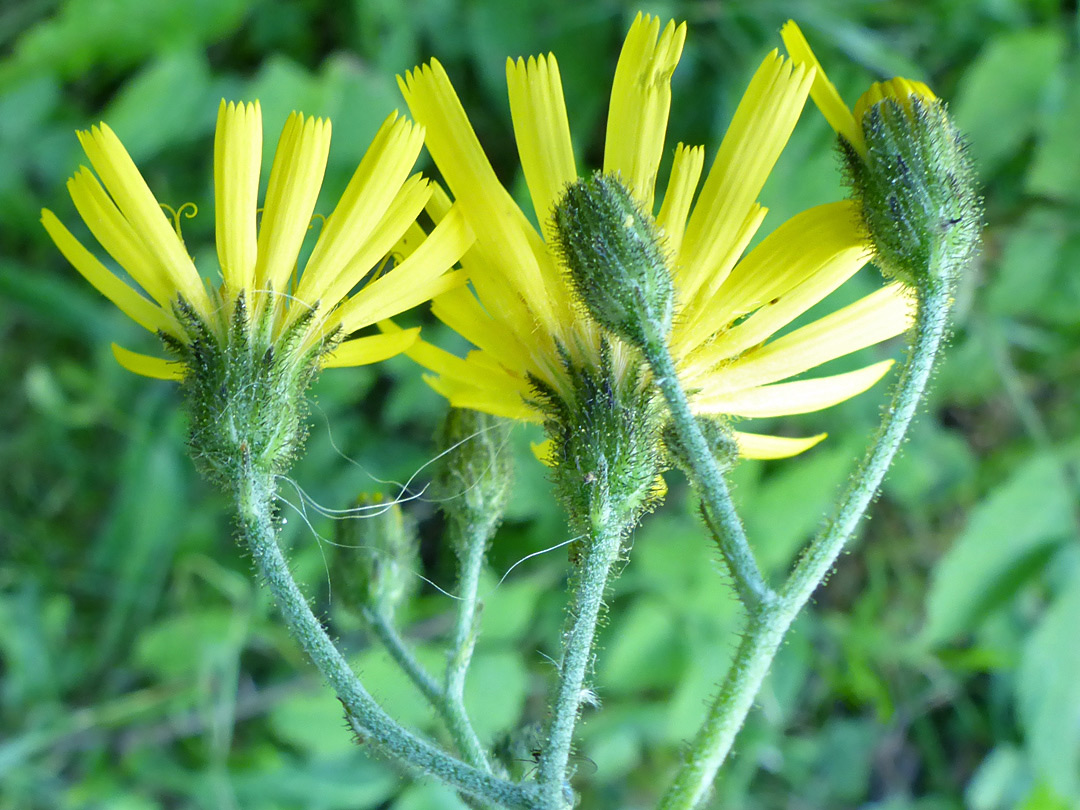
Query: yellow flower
{"type": "Point", "coordinates": [847, 124]}
{"type": "Point", "coordinates": [524, 314]}
{"type": "Point", "coordinates": [258, 254]}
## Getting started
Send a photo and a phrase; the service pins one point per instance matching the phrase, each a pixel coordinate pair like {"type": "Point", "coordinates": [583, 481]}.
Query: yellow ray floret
{"type": "Point", "coordinates": [523, 317]}
{"type": "Point", "coordinates": [827, 98]}
{"type": "Point", "coordinates": [371, 260]}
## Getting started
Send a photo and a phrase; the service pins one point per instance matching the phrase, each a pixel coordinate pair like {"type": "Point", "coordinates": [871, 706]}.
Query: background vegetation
{"type": "Point", "coordinates": [141, 668]}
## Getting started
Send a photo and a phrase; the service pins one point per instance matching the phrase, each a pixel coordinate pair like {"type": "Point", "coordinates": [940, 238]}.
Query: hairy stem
{"type": "Point", "coordinates": [768, 624]}
{"type": "Point", "coordinates": [601, 549]}
{"type": "Point", "coordinates": [254, 494]}
{"type": "Point", "coordinates": [470, 564]}
{"type": "Point", "coordinates": [708, 480]}
{"type": "Point", "coordinates": [384, 630]}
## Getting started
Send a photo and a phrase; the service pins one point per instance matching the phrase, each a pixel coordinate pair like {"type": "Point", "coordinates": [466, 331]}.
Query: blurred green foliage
{"type": "Point", "coordinates": [141, 668]}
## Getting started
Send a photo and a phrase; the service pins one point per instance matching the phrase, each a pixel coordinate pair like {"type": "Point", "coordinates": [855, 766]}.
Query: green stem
{"type": "Point", "coordinates": [768, 624]}
{"type": "Point", "coordinates": [601, 549]}
{"type": "Point", "coordinates": [384, 630]}
{"type": "Point", "coordinates": [452, 712]}
{"type": "Point", "coordinates": [255, 508]}
{"type": "Point", "coordinates": [720, 514]}
{"type": "Point", "coordinates": [471, 550]}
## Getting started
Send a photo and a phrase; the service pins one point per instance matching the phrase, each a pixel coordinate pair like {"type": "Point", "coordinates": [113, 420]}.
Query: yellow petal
{"type": "Point", "coordinates": [237, 161]}
{"type": "Point", "coordinates": [877, 317]}
{"type": "Point", "coordinates": [826, 240]}
{"type": "Point", "coordinates": [542, 451]}
{"type": "Point", "coordinates": [758, 132]}
{"type": "Point", "coordinates": [291, 193]}
{"type": "Point", "coordinates": [898, 89]}
{"type": "Point", "coordinates": [414, 280]}
{"type": "Point", "coordinates": [133, 197]}
{"type": "Point", "coordinates": [802, 396]}
{"type": "Point", "coordinates": [640, 103]}
{"type": "Point", "coordinates": [542, 131]}
{"type": "Point", "coordinates": [697, 320]}
{"type": "Point", "coordinates": [504, 241]}
{"type": "Point", "coordinates": [431, 357]}
{"type": "Point", "coordinates": [460, 310]}
{"type": "Point", "coordinates": [371, 349]}
{"type": "Point", "coordinates": [374, 188]}
{"type": "Point", "coordinates": [117, 236]}
{"type": "Point", "coordinates": [498, 401]}
{"type": "Point", "coordinates": [685, 173]}
{"type": "Point", "coordinates": [755, 445]}
{"type": "Point", "coordinates": [143, 364]}
{"type": "Point", "coordinates": [144, 312]}
{"type": "Point", "coordinates": [824, 92]}
{"type": "Point", "coordinates": [379, 242]}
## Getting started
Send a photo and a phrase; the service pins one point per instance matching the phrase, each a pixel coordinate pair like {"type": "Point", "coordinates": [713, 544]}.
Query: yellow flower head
{"type": "Point", "coordinates": [524, 317]}
{"type": "Point", "coordinates": [847, 124]}
{"type": "Point", "coordinates": [910, 175]}
{"type": "Point", "coordinates": [258, 249]}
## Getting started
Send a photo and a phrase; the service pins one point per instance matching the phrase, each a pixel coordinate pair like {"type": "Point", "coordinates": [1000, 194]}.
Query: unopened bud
{"type": "Point", "coordinates": [477, 472]}
{"type": "Point", "coordinates": [375, 553]}
{"type": "Point", "coordinates": [718, 437]}
{"type": "Point", "coordinates": [916, 184]}
{"type": "Point", "coordinates": [615, 255]}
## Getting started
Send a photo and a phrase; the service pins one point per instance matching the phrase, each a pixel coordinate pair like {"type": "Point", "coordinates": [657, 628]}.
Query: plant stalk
{"type": "Point", "coordinates": [254, 494]}
{"type": "Point", "coordinates": [601, 550]}
{"type": "Point", "coordinates": [707, 478]}
{"type": "Point", "coordinates": [768, 624]}
{"type": "Point", "coordinates": [470, 565]}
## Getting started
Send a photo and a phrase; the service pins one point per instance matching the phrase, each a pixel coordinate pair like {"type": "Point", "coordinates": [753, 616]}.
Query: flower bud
{"type": "Point", "coordinates": [477, 473]}
{"type": "Point", "coordinates": [718, 437]}
{"type": "Point", "coordinates": [915, 183]}
{"type": "Point", "coordinates": [614, 253]}
{"type": "Point", "coordinates": [375, 552]}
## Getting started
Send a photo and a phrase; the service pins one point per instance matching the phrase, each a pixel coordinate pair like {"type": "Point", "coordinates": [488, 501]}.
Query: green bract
{"type": "Point", "coordinates": [917, 189]}
{"type": "Point", "coordinates": [245, 392]}
{"type": "Point", "coordinates": [615, 255]}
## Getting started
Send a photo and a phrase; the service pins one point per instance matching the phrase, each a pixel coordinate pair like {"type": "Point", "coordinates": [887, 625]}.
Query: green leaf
{"type": "Point", "coordinates": [313, 722]}
{"type": "Point", "coordinates": [183, 645]}
{"type": "Point", "coordinates": [428, 796]}
{"type": "Point", "coordinates": [1055, 171]}
{"type": "Point", "coordinates": [1008, 537]}
{"type": "Point", "coordinates": [344, 782]}
{"type": "Point", "coordinates": [1000, 781]}
{"type": "Point", "coordinates": [508, 608]}
{"type": "Point", "coordinates": [1048, 693]}
{"type": "Point", "coordinates": [395, 692]}
{"type": "Point", "coordinates": [86, 34]}
{"type": "Point", "coordinates": [644, 651]}
{"type": "Point", "coordinates": [1026, 271]}
{"type": "Point", "coordinates": [788, 506]}
{"type": "Point", "coordinates": [999, 97]}
{"type": "Point", "coordinates": [354, 98]}
{"type": "Point", "coordinates": [495, 691]}
{"type": "Point", "coordinates": [167, 103]}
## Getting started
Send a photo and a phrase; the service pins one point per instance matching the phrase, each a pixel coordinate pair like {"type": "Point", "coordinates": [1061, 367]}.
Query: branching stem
{"type": "Point", "coordinates": [768, 623]}
{"type": "Point", "coordinates": [470, 565]}
{"type": "Point", "coordinates": [601, 550]}
{"type": "Point", "coordinates": [254, 494]}
{"type": "Point", "coordinates": [706, 476]}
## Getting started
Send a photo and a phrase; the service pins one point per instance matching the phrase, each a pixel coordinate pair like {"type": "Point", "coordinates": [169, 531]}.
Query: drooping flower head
{"type": "Point", "coordinates": [911, 177]}
{"type": "Point", "coordinates": [524, 317]}
{"type": "Point", "coordinates": [246, 347]}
